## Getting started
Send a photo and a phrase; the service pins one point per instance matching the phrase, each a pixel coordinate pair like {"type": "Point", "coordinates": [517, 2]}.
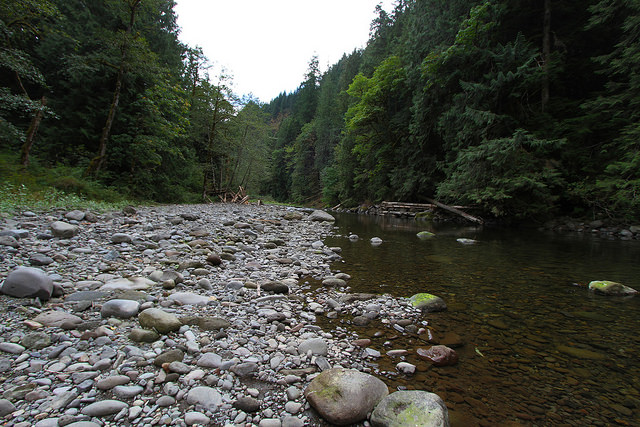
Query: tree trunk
{"type": "Point", "coordinates": [98, 162]}
{"type": "Point", "coordinates": [546, 53]}
{"type": "Point", "coordinates": [31, 134]}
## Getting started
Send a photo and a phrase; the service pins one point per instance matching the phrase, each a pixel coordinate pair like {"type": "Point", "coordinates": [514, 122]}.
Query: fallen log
{"type": "Point", "coordinates": [456, 211]}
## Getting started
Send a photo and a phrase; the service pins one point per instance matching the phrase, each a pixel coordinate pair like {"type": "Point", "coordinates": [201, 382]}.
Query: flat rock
{"type": "Point", "coordinates": [57, 318]}
{"type": "Point", "coordinates": [439, 355]}
{"type": "Point", "coordinates": [189, 298]}
{"type": "Point", "coordinates": [28, 282]}
{"type": "Point", "coordinates": [130, 284]}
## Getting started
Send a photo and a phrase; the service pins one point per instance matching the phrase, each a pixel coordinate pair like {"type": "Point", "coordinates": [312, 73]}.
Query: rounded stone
{"type": "Point", "coordinates": [104, 408]}
{"type": "Point", "coordinates": [159, 320]}
{"type": "Point", "coordinates": [120, 308]}
{"type": "Point", "coordinates": [411, 408]}
{"type": "Point", "coordinates": [28, 282]}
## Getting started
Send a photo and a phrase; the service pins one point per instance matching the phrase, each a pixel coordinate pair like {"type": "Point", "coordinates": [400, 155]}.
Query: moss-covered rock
{"type": "Point", "coordinates": [428, 302]}
{"type": "Point", "coordinates": [411, 408]}
{"type": "Point", "coordinates": [345, 396]}
{"type": "Point", "coordinates": [424, 235]}
{"type": "Point", "coordinates": [606, 287]}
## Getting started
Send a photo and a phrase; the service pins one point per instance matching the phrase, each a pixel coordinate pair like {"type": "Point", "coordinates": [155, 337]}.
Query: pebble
{"type": "Point", "coordinates": [122, 347]}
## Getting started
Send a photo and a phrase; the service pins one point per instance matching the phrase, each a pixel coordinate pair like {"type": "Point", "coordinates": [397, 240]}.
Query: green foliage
{"type": "Point", "coordinates": [506, 176]}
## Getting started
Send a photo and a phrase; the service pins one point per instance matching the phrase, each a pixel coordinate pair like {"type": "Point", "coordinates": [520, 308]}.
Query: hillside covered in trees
{"type": "Point", "coordinates": [522, 108]}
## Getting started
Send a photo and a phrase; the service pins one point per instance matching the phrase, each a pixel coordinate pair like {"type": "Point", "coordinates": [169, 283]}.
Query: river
{"type": "Point", "coordinates": [535, 346]}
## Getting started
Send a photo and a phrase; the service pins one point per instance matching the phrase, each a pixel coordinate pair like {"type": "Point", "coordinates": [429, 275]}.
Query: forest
{"type": "Point", "coordinates": [521, 109]}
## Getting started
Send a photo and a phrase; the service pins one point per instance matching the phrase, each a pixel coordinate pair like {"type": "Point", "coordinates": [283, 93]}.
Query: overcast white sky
{"type": "Point", "coordinates": [267, 44]}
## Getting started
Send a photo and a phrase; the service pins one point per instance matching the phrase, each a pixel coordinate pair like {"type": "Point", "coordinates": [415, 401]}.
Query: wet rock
{"type": "Point", "coordinates": [28, 282]}
{"type": "Point", "coordinates": [319, 215]}
{"type": "Point", "coordinates": [345, 396]}
{"type": "Point", "coordinates": [159, 320]}
{"type": "Point", "coordinates": [605, 287]}
{"type": "Point", "coordinates": [64, 230]}
{"type": "Point", "coordinates": [247, 404]}
{"type": "Point", "coordinates": [439, 355]}
{"type": "Point", "coordinates": [411, 408]}
{"type": "Point", "coordinates": [428, 303]}
{"type": "Point", "coordinates": [424, 235]}
{"type": "Point", "coordinates": [333, 282]}
{"type": "Point", "coordinates": [581, 353]}
{"type": "Point", "coordinates": [465, 241]}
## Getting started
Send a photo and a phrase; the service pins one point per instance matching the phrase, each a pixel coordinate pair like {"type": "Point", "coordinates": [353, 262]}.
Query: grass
{"type": "Point", "coordinates": [16, 197]}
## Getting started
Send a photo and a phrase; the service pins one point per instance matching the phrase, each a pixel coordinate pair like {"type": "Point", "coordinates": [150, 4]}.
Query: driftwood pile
{"type": "Point", "coordinates": [240, 197]}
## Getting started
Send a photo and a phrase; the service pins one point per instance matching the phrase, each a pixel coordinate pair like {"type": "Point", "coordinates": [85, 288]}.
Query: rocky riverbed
{"type": "Point", "coordinates": [175, 315]}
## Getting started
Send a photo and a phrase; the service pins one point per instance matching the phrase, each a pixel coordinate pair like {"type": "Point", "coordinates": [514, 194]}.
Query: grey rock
{"type": "Point", "coordinates": [209, 360]}
{"type": "Point", "coordinates": [75, 215]}
{"type": "Point", "coordinates": [196, 418]}
{"type": "Point", "coordinates": [12, 348]}
{"type": "Point", "coordinates": [319, 215]}
{"type": "Point", "coordinates": [345, 396]}
{"type": "Point", "coordinates": [207, 397]}
{"type": "Point", "coordinates": [143, 335]}
{"type": "Point", "coordinates": [36, 340]}
{"type": "Point", "coordinates": [112, 381]}
{"type": "Point", "coordinates": [413, 407]}
{"type": "Point", "coordinates": [63, 230]}
{"type": "Point", "coordinates": [6, 407]}
{"type": "Point", "coordinates": [317, 346]}
{"type": "Point", "coordinates": [128, 284]}
{"type": "Point", "coordinates": [165, 401]}
{"type": "Point", "coordinates": [28, 282]}
{"type": "Point", "coordinates": [40, 260]}
{"type": "Point", "coordinates": [127, 391]}
{"type": "Point", "coordinates": [189, 298]}
{"type": "Point", "coordinates": [244, 369]}
{"type": "Point", "coordinates": [58, 319]}
{"type": "Point", "coordinates": [9, 241]}
{"type": "Point", "coordinates": [120, 308]}
{"type": "Point", "coordinates": [103, 408]}
{"type": "Point", "coordinates": [174, 355]}
{"type": "Point", "coordinates": [159, 320]}
{"type": "Point", "coordinates": [121, 238]}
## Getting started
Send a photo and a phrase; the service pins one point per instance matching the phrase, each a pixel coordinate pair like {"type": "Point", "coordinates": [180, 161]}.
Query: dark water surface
{"type": "Point", "coordinates": [537, 347]}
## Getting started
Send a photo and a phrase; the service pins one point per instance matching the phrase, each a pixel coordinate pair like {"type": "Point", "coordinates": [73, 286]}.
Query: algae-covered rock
{"type": "Point", "coordinates": [424, 235]}
{"type": "Point", "coordinates": [428, 303]}
{"type": "Point", "coordinates": [606, 287]}
{"type": "Point", "coordinates": [411, 408]}
{"type": "Point", "coordinates": [345, 396]}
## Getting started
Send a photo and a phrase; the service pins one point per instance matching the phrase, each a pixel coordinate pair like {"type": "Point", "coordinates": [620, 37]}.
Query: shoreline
{"type": "Point", "coordinates": [236, 276]}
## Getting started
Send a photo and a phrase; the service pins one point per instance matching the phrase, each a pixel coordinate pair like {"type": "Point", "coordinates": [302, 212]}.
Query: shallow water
{"type": "Point", "coordinates": [537, 347]}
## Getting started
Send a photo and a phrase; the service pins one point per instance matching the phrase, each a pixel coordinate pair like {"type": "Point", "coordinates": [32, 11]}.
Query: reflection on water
{"type": "Point", "coordinates": [537, 347]}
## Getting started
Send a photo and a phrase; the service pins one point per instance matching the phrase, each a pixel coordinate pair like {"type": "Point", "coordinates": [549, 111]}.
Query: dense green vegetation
{"type": "Point", "coordinates": [523, 109]}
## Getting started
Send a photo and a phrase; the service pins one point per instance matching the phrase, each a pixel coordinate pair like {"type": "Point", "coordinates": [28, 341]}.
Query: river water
{"type": "Point", "coordinates": [535, 346]}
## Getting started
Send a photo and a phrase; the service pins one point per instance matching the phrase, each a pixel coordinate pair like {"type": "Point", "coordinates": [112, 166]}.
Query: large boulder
{"type": "Point", "coordinates": [159, 320]}
{"type": "Point", "coordinates": [428, 303]}
{"type": "Point", "coordinates": [411, 408]}
{"type": "Point", "coordinates": [345, 396]}
{"type": "Point", "coordinates": [319, 215]}
{"type": "Point", "coordinates": [63, 230]}
{"type": "Point", "coordinates": [606, 287]}
{"type": "Point", "coordinates": [28, 282]}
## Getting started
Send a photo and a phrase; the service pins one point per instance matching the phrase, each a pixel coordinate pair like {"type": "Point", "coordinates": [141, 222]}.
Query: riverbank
{"type": "Point", "coordinates": [242, 281]}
